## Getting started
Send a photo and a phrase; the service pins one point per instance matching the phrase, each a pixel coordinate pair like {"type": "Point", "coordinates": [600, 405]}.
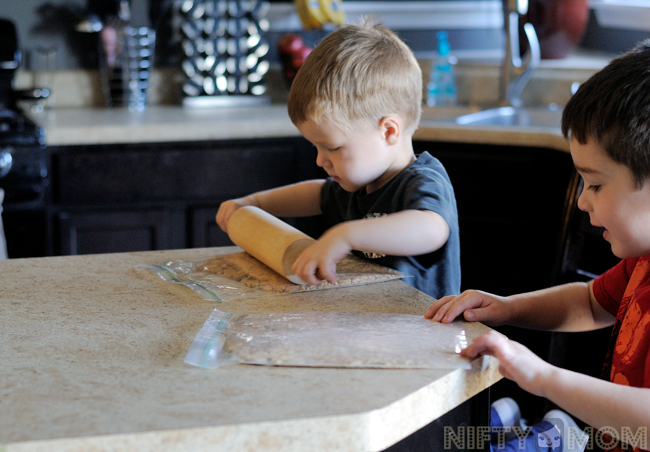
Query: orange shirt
{"type": "Point", "coordinates": [624, 291]}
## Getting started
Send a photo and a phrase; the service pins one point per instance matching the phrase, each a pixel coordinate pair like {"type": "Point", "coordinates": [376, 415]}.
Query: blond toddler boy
{"type": "Point", "coordinates": [357, 99]}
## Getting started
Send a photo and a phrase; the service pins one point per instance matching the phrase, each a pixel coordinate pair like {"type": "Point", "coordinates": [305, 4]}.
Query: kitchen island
{"type": "Point", "coordinates": [92, 352]}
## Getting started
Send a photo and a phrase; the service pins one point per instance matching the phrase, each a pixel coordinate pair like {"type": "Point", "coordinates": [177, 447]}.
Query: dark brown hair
{"type": "Point", "coordinates": [613, 108]}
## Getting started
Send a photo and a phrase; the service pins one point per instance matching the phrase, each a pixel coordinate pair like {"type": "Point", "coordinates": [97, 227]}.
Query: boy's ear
{"type": "Point", "coordinates": [390, 128]}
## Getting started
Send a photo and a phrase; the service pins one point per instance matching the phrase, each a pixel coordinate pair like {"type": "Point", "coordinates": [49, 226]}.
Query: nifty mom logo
{"type": "Point", "coordinates": [545, 440]}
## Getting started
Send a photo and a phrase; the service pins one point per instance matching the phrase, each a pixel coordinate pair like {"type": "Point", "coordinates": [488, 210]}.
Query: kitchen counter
{"type": "Point", "coordinates": [88, 126]}
{"type": "Point", "coordinates": [92, 355]}
{"type": "Point", "coordinates": [438, 125]}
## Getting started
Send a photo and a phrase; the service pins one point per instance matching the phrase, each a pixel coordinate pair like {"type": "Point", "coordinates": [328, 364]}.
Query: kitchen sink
{"type": "Point", "coordinates": [511, 116]}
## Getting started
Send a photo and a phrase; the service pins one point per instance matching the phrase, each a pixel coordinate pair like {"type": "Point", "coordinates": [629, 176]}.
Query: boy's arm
{"type": "Point", "coordinates": [404, 233]}
{"type": "Point", "coordinates": [569, 307]}
{"type": "Point", "coordinates": [296, 200]}
{"type": "Point", "coordinates": [596, 402]}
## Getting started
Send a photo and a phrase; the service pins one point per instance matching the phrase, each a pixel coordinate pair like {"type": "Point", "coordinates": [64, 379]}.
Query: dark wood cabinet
{"type": "Point", "coordinates": [147, 196]}
{"type": "Point", "coordinates": [511, 206]}
{"type": "Point", "coordinates": [130, 197]}
{"type": "Point", "coordinates": [117, 231]}
{"type": "Point", "coordinates": [204, 231]}
{"type": "Point", "coordinates": [511, 202]}
{"type": "Point", "coordinates": [151, 196]}
{"type": "Point", "coordinates": [173, 171]}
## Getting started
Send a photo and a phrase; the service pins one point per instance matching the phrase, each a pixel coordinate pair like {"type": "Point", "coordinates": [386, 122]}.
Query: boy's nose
{"type": "Point", "coordinates": [321, 160]}
{"type": "Point", "coordinates": [583, 202]}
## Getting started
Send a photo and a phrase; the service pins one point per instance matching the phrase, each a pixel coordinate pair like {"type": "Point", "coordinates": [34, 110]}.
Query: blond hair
{"type": "Point", "coordinates": [358, 73]}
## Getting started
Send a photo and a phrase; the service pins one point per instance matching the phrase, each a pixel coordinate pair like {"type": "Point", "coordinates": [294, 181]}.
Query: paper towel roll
{"type": "Point", "coordinates": [268, 239]}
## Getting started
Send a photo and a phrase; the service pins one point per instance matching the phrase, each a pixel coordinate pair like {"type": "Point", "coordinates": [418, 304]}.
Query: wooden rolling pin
{"type": "Point", "coordinates": [268, 239]}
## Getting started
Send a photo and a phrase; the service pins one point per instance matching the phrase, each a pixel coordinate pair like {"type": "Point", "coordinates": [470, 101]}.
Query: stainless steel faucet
{"type": "Point", "coordinates": [516, 73]}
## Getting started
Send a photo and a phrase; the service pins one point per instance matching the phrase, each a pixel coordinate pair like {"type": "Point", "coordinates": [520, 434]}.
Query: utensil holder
{"type": "Point", "coordinates": [225, 50]}
{"type": "Point", "coordinates": [126, 66]}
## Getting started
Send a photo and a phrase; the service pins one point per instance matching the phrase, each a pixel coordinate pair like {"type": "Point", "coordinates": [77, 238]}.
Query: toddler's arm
{"type": "Point", "coordinates": [405, 233]}
{"type": "Point", "coordinates": [597, 402]}
{"type": "Point", "coordinates": [569, 307]}
{"type": "Point", "coordinates": [296, 200]}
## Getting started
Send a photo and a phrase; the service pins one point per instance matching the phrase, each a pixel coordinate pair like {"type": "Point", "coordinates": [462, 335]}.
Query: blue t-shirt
{"type": "Point", "coordinates": [423, 185]}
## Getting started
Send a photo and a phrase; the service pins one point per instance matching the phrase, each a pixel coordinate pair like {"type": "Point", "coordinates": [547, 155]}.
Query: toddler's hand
{"type": "Point", "coordinates": [476, 306]}
{"type": "Point", "coordinates": [227, 208]}
{"type": "Point", "coordinates": [318, 262]}
{"type": "Point", "coordinates": [516, 362]}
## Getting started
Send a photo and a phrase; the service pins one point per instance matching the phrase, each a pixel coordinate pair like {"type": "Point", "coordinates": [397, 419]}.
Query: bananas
{"type": "Point", "coordinates": [316, 13]}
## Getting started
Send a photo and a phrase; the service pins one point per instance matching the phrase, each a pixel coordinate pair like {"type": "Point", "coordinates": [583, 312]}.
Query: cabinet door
{"type": "Point", "coordinates": [25, 233]}
{"type": "Point", "coordinates": [510, 206]}
{"type": "Point", "coordinates": [164, 191]}
{"type": "Point", "coordinates": [204, 229]}
{"type": "Point", "coordinates": [166, 172]}
{"type": "Point", "coordinates": [510, 203]}
{"type": "Point", "coordinates": [112, 232]}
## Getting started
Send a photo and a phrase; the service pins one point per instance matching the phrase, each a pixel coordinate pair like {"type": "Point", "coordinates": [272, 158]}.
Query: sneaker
{"type": "Point", "coordinates": [573, 438]}
{"type": "Point", "coordinates": [506, 413]}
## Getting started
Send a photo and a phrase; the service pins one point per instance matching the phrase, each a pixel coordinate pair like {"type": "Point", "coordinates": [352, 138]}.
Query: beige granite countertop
{"type": "Point", "coordinates": [84, 126]}
{"type": "Point", "coordinates": [438, 125]}
{"type": "Point", "coordinates": [92, 355]}
{"type": "Point", "coordinates": [87, 126]}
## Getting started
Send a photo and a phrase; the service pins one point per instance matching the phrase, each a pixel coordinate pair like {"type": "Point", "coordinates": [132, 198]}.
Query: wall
{"type": "Point", "coordinates": [50, 24]}
{"type": "Point", "coordinates": [610, 39]}
{"type": "Point", "coordinates": [474, 30]}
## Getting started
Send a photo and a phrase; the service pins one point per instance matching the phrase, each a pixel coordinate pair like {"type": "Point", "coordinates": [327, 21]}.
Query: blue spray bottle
{"type": "Point", "coordinates": [441, 89]}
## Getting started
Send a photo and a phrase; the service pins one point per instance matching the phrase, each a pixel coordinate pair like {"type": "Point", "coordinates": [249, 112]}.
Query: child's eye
{"type": "Point", "coordinates": [594, 188]}
{"type": "Point", "coordinates": [334, 149]}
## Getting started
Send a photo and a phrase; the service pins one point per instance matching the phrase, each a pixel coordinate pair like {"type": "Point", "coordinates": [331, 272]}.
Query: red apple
{"type": "Point", "coordinates": [290, 43]}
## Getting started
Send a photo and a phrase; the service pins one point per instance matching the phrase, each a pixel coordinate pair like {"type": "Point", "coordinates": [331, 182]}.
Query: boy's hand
{"type": "Point", "coordinates": [516, 362]}
{"type": "Point", "coordinates": [476, 306]}
{"type": "Point", "coordinates": [227, 208]}
{"type": "Point", "coordinates": [318, 262]}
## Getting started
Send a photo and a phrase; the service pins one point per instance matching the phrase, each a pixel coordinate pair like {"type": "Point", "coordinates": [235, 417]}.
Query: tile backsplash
{"type": "Point", "coordinates": [477, 82]}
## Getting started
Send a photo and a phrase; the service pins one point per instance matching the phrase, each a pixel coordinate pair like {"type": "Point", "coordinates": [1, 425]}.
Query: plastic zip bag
{"type": "Point", "coordinates": [208, 286]}
{"type": "Point", "coordinates": [328, 339]}
{"type": "Point", "coordinates": [258, 279]}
